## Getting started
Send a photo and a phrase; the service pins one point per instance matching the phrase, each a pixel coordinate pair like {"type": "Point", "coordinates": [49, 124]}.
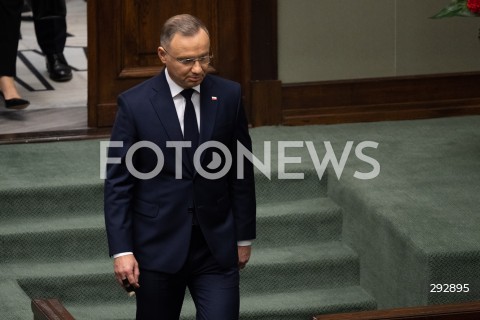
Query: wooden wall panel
{"type": "Point", "coordinates": [266, 97]}
{"type": "Point", "coordinates": [395, 98]}
{"type": "Point", "coordinates": [141, 25]}
{"type": "Point", "coordinates": [123, 36]}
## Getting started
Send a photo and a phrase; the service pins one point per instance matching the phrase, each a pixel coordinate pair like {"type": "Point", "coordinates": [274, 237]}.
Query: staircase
{"type": "Point", "coordinates": [53, 245]}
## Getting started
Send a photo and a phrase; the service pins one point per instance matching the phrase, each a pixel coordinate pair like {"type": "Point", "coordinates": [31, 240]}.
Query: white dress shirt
{"type": "Point", "coordinates": [179, 100]}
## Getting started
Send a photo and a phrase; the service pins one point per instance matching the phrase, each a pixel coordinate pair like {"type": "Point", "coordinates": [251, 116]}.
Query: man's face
{"type": "Point", "coordinates": [182, 47]}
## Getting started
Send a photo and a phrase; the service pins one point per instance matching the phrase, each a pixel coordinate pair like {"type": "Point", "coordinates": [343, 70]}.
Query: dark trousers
{"type": "Point", "coordinates": [51, 34]}
{"type": "Point", "coordinates": [10, 15]}
{"type": "Point", "coordinates": [49, 17]}
{"type": "Point", "coordinates": [215, 291]}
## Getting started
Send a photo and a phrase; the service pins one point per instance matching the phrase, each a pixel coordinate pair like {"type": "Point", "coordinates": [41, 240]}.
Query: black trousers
{"type": "Point", "coordinates": [215, 291]}
{"type": "Point", "coordinates": [10, 14]}
{"type": "Point", "coordinates": [50, 24]}
{"type": "Point", "coordinates": [51, 34]}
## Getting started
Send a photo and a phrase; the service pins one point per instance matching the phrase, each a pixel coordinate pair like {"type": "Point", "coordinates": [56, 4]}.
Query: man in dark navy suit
{"type": "Point", "coordinates": [171, 221]}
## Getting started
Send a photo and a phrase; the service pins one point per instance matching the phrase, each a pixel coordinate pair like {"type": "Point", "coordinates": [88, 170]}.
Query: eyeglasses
{"type": "Point", "coordinates": [204, 61]}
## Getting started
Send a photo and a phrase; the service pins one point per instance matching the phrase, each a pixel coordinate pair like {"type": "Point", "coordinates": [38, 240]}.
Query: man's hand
{"type": "Point", "coordinates": [243, 255]}
{"type": "Point", "coordinates": [126, 267]}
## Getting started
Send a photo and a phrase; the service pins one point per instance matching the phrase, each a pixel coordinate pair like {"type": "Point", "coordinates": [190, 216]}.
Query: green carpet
{"type": "Point", "coordinates": [324, 246]}
{"type": "Point", "coordinates": [418, 222]}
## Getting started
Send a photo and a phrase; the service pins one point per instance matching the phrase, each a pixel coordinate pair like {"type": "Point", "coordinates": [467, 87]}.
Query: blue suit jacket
{"type": "Point", "coordinates": [150, 216]}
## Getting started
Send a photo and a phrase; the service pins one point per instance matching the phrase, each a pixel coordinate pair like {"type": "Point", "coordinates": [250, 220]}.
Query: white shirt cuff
{"type": "Point", "coordinates": [244, 243]}
{"type": "Point", "coordinates": [122, 254]}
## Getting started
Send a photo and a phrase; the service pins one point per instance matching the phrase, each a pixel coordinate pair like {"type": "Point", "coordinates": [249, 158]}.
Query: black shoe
{"type": "Point", "coordinates": [58, 68]}
{"type": "Point", "coordinates": [15, 103]}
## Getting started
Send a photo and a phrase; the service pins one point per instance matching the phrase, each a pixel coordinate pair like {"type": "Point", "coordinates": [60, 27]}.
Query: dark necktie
{"type": "Point", "coordinates": [190, 126]}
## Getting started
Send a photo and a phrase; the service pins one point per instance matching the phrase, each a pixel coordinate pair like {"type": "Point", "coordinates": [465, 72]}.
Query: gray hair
{"type": "Point", "coordinates": [185, 24]}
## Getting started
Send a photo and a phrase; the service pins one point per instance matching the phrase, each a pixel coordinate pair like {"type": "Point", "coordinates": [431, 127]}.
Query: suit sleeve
{"type": "Point", "coordinates": [119, 183]}
{"type": "Point", "coordinates": [242, 190]}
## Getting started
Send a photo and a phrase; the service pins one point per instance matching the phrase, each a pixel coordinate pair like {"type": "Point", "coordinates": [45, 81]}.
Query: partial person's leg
{"type": "Point", "coordinates": [51, 33]}
{"type": "Point", "coordinates": [216, 295]}
{"type": "Point", "coordinates": [215, 290]}
{"type": "Point", "coordinates": [10, 19]}
{"type": "Point", "coordinates": [160, 296]}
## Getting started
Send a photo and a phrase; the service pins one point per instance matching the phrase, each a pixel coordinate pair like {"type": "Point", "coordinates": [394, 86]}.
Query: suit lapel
{"type": "Point", "coordinates": [208, 110]}
{"type": "Point", "coordinates": [165, 109]}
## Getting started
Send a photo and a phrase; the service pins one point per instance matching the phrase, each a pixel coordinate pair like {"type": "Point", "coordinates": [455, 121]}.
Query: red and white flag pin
{"type": "Point", "coordinates": [214, 98]}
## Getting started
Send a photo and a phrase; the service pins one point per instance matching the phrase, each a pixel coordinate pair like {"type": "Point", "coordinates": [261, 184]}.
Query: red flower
{"type": "Point", "coordinates": [473, 6]}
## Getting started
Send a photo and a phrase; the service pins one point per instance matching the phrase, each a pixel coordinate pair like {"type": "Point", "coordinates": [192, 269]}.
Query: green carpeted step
{"type": "Point", "coordinates": [34, 204]}
{"type": "Point", "coordinates": [37, 203]}
{"type": "Point", "coordinates": [70, 198]}
{"type": "Point", "coordinates": [428, 178]}
{"type": "Point", "coordinates": [54, 240]}
{"type": "Point", "coordinates": [124, 310]}
{"type": "Point", "coordinates": [63, 237]}
{"type": "Point", "coordinates": [40, 165]}
{"type": "Point", "coordinates": [284, 305]}
{"type": "Point", "coordinates": [53, 224]}
{"type": "Point", "coordinates": [302, 221]}
{"type": "Point", "coordinates": [14, 302]}
{"type": "Point", "coordinates": [324, 265]}
{"type": "Point", "coordinates": [282, 190]}
{"type": "Point", "coordinates": [56, 248]}
{"type": "Point", "coordinates": [305, 304]}
{"type": "Point", "coordinates": [53, 270]}
{"type": "Point", "coordinates": [270, 270]}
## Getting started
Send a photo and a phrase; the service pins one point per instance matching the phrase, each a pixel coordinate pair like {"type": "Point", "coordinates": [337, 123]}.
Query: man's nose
{"type": "Point", "coordinates": [197, 67]}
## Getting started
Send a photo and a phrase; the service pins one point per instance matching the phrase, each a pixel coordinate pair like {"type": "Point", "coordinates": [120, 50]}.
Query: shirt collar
{"type": "Point", "coordinates": [175, 89]}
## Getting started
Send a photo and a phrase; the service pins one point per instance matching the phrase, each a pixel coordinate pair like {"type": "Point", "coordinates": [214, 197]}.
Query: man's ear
{"type": "Point", "coordinates": [162, 54]}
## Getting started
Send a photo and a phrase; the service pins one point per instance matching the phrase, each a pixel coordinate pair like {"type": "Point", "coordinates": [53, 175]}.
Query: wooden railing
{"type": "Point", "coordinates": [50, 309]}
{"type": "Point", "coordinates": [462, 311]}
